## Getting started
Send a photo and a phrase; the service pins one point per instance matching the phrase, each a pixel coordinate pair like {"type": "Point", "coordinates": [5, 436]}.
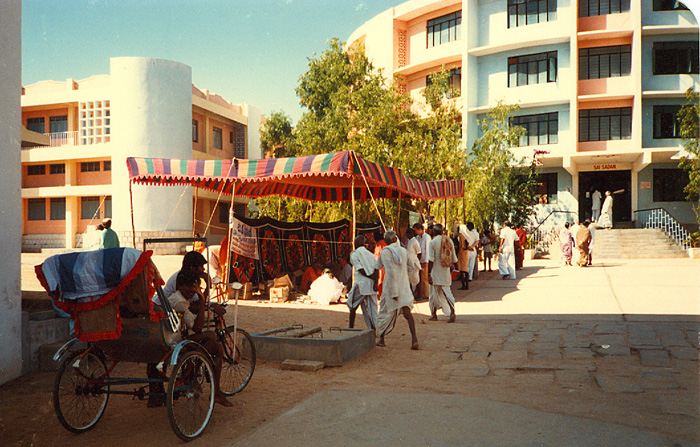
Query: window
{"type": "Point", "coordinates": [94, 122]}
{"type": "Point", "coordinates": [89, 208]}
{"type": "Point", "coordinates": [58, 168]}
{"type": "Point", "coordinates": [36, 170]}
{"type": "Point", "coordinates": [108, 207]}
{"type": "Point", "coordinates": [35, 124]}
{"type": "Point", "coordinates": [107, 165]}
{"type": "Point", "coordinates": [36, 209]}
{"type": "Point", "coordinates": [675, 58]}
{"type": "Point", "coordinates": [444, 29]}
{"type": "Point", "coordinates": [230, 137]}
{"type": "Point", "coordinates": [195, 131]}
{"type": "Point", "coordinates": [58, 208]}
{"type": "Point", "coordinates": [217, 138]}
{"type": "Point", "coordinates": [529, 12]}
{"type": "Point", "coordinates": [590, 8]}
{"type": "Point", "coordinates": [547, 188]}
{"type": "Point", "coordinates": [455, 81]}
{"type": "Point", "coordinates": [666, 123]}
{"type": "Point", "coordinates": [605, 124]}
{"type": "Point", "coordinates": [532, 69]}
{"type": "Point", "coordinates": [239, 140]}
{"type": "Point", "coordinates": [668, 5]}
{"type": "Point", "coordinates": [539, 129]}
{"type": "Point", "coordinates": [669, 185]}
{"type": "Point", "coordinates": [58, 124]}
{"type": "Point", "coordinates": [90, 166]}
{"type": "Point", "coordinates": [604, 62]}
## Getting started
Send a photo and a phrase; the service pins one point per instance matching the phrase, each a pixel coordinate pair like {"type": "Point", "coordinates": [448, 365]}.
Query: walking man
{"type": "Point", "coordinates": [506, 261]}
{"type": "Point", "coordinates": [396, 294]}
{"type": "Point", "coordinates": [424, 240]}
{"type": "Point", "coordinates": [441, 255]}
{"type": "Point", "coordinates": [363, 292]}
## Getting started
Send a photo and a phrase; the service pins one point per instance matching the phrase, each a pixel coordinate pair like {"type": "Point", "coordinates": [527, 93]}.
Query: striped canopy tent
{"type": "Point", "coordinates": [324, 177]}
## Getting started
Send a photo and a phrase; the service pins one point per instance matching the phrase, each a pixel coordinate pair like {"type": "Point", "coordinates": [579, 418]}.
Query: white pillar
{"type": "Point", "coordinates": [151, 109]}
{"type": "Point", "coordinates": [10, 181]}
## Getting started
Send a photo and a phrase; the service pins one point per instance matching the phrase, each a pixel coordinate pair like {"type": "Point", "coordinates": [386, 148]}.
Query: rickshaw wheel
{"type": "Point", "coordinates": [79, 393]}
{"type": "Point", "coordinates": [237, 366]}
{"type": "Point", "coordinates": [190, 399]}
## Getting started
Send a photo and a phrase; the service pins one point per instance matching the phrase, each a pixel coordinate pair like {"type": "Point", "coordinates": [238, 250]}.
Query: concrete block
{"type": "Point", "coordinates": [303, 365]}
{"type": "Point", "coordinates": [351, 344]}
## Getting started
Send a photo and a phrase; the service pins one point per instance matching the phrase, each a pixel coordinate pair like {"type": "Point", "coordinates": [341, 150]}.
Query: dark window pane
{"type": "Point", "coordinates": [89, 208]}
{"type": "Point", "coordinates": [36, 209]}
{"type": "Point", "coordinates": [58, 208]}
{"type": "Point", "coordinates": [35, 124]}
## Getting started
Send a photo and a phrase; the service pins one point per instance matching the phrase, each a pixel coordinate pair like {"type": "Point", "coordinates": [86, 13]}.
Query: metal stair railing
{"type": "Point", "coordinates": [661, 219]}
{"type": "Point", "coordinates": [541, 239]}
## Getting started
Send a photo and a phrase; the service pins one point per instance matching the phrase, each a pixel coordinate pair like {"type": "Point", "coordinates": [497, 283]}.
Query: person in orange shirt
{"type": "Point", "coordinates": [310, 275]}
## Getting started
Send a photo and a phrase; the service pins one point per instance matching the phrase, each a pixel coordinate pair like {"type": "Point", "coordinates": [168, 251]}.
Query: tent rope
{"type": "Point", "coordinates": [373, 201]}
{"type": "Point", "coordinates": [174, 209]}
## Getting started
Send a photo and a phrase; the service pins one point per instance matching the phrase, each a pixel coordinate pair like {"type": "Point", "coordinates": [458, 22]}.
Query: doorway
{"type": "Point", "coordinates": [606, 181]}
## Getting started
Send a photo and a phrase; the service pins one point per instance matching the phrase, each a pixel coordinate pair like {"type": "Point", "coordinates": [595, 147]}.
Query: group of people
{"type": "Point", "coordinates": [395, 273]}
{"type": "Point", "coordinates": [576, 243]}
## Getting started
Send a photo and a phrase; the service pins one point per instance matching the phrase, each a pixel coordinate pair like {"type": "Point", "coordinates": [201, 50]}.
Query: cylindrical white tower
{"type": "Point", "coordinates": [151, 108]}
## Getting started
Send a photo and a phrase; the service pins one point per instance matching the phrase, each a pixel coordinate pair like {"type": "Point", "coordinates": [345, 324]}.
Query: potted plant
{"type": "Point", "coordinates": [694, 240]}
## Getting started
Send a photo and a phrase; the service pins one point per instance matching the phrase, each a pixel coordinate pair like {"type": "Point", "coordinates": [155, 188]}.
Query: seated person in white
{"type": "Point", "coordinates": [326, 289]}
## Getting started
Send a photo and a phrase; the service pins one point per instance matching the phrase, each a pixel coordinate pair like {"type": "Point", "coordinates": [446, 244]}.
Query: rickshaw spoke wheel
{"type": "Point", "coordinates": [79, 393]}
{"type": "Point", "coordinates": [190, 397]}
{"type": "Point", "coordinates": [239, 363]}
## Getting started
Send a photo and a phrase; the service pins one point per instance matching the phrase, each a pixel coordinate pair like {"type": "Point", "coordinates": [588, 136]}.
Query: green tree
{"type": "Point", "coordinates": [499, 186]}
{"type": "Point", "coordinates": [689, 116]}
{"type": "Point", "coordinates": [277, 136]}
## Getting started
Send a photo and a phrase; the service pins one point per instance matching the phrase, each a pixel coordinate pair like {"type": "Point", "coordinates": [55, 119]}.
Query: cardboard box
{"type": "Point", "coordinates": [279, 294]}
{"type": "Point", "coordinates": [283, 281]}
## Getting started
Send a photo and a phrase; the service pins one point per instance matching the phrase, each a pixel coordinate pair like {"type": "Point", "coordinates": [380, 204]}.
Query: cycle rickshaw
{"type": "Point", "coordinates": [108, 295]}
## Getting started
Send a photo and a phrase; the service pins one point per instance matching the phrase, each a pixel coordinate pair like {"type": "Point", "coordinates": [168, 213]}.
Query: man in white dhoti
{"type": "Point", "coordinates": [441, 255]}
{"type": "Point", "coordinates": [396, 293]}
{"type": "Point", "coordinates": [414, 251]}
{"type": "Point", "coordinates": [595, 208]}
{"type": "Point", "coordinates": [424, 239]}
{"type": "Point", "coordinates": [506, 261]}
{"type": "Point", "coordinates": [605, 220]}
{"type": "Point", "coordinates": [363, 292]}
{"type": "Point", "coordinates": [473, 241]}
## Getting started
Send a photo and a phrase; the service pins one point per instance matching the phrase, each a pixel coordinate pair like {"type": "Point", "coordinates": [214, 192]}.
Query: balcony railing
{"type": "Point", "coordinates": [660, 218]}
{"type": "Point", "coordinates": [64, 138]}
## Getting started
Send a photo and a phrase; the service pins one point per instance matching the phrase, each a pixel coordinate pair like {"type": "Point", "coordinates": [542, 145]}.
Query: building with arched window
{"type": "Point", "coordinates": [598, 84]}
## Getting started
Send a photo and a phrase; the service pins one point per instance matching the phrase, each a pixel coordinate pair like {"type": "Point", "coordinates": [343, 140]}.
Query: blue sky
{"type": "Point", "coordinates": [250, 51]}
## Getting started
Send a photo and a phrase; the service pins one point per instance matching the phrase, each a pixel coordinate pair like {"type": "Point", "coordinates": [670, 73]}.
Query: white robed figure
{"type": "Point", "coordinates": [362, 293]}
{"type": "Point", "coordinates": [396, 290]}
{"type": "Point", "coordinates": [441, 255]}
{"type": "Point", "coordinates": [605, 220]}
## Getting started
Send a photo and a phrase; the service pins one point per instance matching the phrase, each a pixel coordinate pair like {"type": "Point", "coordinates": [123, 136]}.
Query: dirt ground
{"type": "Point", "coordinates": [27, 417]}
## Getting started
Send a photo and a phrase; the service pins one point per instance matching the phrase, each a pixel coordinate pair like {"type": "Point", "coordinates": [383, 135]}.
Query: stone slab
{"type": "Point", "coordinates": [658, 380]}
{"type": "Point", "coordinates": [684, 353]}
{"type": "Point", "coordinates": [655, 357]}
{"type": "Point", "coordinates": [303, 365]}
{"type": "Point", "coordinates": [617, 384]}
{"type": "Point", "coordinates": [573, 378]}
{"type": "Point", "coordinates": [578, 353]}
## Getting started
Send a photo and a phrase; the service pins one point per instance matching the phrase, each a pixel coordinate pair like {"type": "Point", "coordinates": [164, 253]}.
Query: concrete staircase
{"type": "Point", "coordinates": [635, 243]}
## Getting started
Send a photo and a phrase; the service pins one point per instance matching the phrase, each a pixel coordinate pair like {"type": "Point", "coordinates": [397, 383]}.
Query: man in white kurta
{"type": "Point", "coordinates": [414, 251]}
{"type": "Point", "coordinates": [605, 220]}
{"type": "Point", "coordinates": [473, 241]}
{"type": "Point", "coordinates": [439, 263]}
{"type": "Point", "coordinates": [595, 207]}
{"type": "Point", "coordinates": [424, 239]}
{"type": "Point", "coordinates": [506, 261]}
{"type": "Point", "coordinates": [396, 293]}
{"type": "Point", "coordinates": [362, 293]}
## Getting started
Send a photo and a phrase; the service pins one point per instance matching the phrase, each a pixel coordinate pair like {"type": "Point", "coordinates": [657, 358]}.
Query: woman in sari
{"type": "Point", "coordinates": [566, 243]}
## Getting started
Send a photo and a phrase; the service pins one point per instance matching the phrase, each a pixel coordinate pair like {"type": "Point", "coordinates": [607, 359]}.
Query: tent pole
{"type": "Point", "coordinates": [194, 213]}
{"type": "Point", "coordinates": [354, 222]}
{"type": "Point", "coordinates": [445, 213]}
{"type": "Point", "coordinates": [133, 228]}
{"type": "Point", "coordinates": [230, 244]}
{"type": "Point", "coordinates": [398, 218]}
{"type": "Point", "coordinates": [464, 208]}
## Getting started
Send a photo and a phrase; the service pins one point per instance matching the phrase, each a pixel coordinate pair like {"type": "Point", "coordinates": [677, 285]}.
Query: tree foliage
{"type": "Point", "coordinates": [498, 185]}
{"type": "Point", "coordinates": [689, 118]}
